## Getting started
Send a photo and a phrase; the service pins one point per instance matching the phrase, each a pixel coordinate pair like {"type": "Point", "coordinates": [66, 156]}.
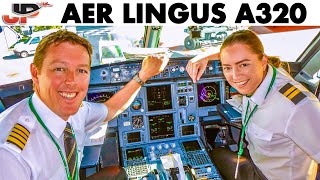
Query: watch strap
{"type": "Point", "coordinates": [138, 80]}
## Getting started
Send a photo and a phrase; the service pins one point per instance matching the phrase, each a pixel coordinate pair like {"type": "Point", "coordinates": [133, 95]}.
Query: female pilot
{"type": "Point", "coordinates": [280, 118]}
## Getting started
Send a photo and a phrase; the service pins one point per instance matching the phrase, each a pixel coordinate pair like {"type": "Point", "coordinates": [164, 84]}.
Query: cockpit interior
{"type": "Point", "coordinates": [172, 124]}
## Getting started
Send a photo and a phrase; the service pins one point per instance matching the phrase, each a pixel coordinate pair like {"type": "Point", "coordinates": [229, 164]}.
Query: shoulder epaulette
{"type": "Point", "coordinates": [292, 93]}
{"type": "Point", "coordinates": [18, 136]}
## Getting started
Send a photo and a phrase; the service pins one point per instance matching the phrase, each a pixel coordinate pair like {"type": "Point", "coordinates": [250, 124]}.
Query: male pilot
{"type": "Point", "coordinates": [42, 137]}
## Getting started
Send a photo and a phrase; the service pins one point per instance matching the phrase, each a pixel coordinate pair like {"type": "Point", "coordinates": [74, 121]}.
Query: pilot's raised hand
{"type": "Point", "coordinates": [197, 65]}
{"type": "Point", "coordinates": [152, 65]}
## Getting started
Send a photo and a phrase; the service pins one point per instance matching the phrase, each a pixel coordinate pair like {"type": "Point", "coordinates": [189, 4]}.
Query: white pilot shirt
{"type": "Point", "coordinates": [40, 159]}
{"type": "Point", "coordinates": [283, 134]}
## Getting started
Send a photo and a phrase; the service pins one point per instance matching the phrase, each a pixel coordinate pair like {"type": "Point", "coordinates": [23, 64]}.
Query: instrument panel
{"type": "Point", "coordinates": [164, 118]}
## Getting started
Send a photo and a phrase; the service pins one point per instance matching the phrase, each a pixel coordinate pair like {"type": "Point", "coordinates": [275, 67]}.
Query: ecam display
{"type": "Point", "coordinates": [159, 97]}
{"type": "Point", "coordinates": [161, 126]}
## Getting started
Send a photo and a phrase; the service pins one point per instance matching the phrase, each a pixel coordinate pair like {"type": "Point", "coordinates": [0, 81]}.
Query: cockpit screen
{"type": "Point", "coordinates": [187, 130]}
{"type": "Point", "coordinates": [134, 137]}
{"type": "Point", "coordinates": [161, 126]}
{"type": "Point", "coordinates": [159, 97]}
{"type": "Point", "coordinates": [99, 97]}
{"type": "Point", "coordinates": [134, 154]}
{"type": "Point", "coordinates": [208, 94]}
{"type": "Point", "coordinates": [191, 145]}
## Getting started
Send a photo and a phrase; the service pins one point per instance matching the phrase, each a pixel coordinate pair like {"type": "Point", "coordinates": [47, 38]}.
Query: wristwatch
{"type": "Point", "coordinates": [138, 80]}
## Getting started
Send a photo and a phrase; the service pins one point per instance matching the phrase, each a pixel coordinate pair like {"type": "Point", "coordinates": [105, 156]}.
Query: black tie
{"type": "Point", "coordinates": [70, 147]}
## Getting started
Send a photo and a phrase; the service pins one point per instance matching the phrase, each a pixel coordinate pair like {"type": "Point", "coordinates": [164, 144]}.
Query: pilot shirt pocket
{"type": "Point", "coordinates": [260, 139]}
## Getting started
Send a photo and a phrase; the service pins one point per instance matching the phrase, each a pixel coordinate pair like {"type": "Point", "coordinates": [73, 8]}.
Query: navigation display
{"type": "Point", "coordinates": [159, 97]}
{"type": "Point", "coordinates": [99, 97]}
{"type": "Point", "coordinates": [161, 126]}
{"type": "Point", "coordinates": [208, 94]}
{"type": "Point", "coordinates": [191, 145]}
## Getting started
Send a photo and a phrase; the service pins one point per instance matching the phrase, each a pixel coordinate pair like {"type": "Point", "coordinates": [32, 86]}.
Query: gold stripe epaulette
{"type": "Point", "coordinates": [292, 93]}
{"type": "Point", "coordinates": [18, 136]}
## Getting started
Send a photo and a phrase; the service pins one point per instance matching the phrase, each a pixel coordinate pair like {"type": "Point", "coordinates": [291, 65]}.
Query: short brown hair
{"type": "Point", "coordinates": [57, 38]}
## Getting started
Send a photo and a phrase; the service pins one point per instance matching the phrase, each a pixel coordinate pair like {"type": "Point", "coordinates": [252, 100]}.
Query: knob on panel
{"type": "Point", "coordinates": [181, 69]}
{"type": "Point", "coordinates": [116, 75]}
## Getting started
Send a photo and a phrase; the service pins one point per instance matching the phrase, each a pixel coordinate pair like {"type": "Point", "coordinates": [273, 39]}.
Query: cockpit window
{"type": "Point", "coordinates": [122, 43]}
{"type": "Point", "coordinates": [113, 44]}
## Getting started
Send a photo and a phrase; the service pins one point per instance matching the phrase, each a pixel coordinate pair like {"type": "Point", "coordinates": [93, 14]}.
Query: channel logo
{"type": "Point", "coordinates": [25, 11]}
